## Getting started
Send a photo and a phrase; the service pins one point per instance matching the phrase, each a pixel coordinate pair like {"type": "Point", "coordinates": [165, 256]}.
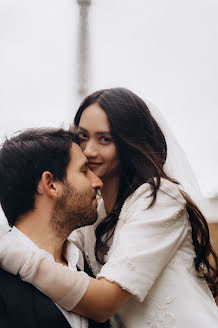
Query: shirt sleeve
{"type": "Point", "coordinates": [146, 239]}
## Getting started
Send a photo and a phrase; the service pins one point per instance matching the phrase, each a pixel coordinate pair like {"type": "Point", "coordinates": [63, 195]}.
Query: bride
{"type": "Point", "coordinates": [150, 247]}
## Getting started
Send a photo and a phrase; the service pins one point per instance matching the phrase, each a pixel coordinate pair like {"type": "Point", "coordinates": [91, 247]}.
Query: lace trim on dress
{"type": "Point", "coordinates": [184, 260]}
{"type": "Point", "coordinates": [177, 221]}
{"type": "Point", "coordinates": [160, 316]}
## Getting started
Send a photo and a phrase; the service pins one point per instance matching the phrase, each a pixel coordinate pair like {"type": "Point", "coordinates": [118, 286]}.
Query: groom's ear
{"type": "Point", "coordinates": [47, 185]}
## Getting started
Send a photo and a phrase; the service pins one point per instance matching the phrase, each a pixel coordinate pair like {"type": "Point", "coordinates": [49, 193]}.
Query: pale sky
{"type": "Point", "coordinates": [164, 50]}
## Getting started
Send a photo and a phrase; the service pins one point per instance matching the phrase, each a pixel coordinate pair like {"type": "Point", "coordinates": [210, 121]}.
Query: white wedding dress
{"type": "Point", "coordinates": [152, 256]}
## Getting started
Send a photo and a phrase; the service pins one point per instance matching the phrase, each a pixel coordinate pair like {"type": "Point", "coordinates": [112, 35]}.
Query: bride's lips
{"type": "Point", "coordinates": [93, 165]}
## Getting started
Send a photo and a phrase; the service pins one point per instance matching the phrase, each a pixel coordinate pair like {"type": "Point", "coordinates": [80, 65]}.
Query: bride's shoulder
{"type": "Point", "coordinates": [167, 194]}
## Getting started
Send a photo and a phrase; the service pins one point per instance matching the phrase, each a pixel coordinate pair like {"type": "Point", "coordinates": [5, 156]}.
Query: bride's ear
{"type": "Point", "coordinates": [47, 185]}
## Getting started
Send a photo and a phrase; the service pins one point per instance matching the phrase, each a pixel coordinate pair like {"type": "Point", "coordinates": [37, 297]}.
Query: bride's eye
{"type": "Point", "coordinates": [105, 140]}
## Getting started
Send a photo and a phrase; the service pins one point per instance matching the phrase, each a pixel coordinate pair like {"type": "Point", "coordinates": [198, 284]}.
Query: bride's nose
{"type": "Point", "coordinates": [90, 149]}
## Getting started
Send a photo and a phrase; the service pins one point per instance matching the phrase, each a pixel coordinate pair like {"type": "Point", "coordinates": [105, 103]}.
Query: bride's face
{"type": "Point", "coordinates": [97, 143]}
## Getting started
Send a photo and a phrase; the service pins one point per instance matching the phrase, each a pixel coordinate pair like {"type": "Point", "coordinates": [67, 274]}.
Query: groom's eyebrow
{"type": "Point", "coordinates": [82, 129]}
{"type": "Point", "coordinates": [84, 164]}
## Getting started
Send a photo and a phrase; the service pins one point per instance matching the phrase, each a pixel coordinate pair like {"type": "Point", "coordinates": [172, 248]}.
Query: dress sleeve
{"type": "Point", "coordinates": [146, 239]}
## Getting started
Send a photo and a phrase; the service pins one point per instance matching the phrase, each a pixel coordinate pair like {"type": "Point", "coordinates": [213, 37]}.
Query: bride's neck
{"type": "Point", "coordinates": [109, 192]}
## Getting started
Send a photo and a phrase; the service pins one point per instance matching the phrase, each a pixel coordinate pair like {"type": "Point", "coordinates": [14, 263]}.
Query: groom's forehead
{"type": "Point", "coordinates": [77, 158]}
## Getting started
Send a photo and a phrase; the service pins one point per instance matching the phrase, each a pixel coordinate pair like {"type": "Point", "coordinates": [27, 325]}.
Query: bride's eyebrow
{"type": "Point", "coordinates": [107, 133]}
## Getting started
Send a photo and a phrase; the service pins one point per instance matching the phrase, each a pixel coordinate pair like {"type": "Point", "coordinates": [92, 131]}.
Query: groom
{"type": "Point", "coordinates": [46, 191]}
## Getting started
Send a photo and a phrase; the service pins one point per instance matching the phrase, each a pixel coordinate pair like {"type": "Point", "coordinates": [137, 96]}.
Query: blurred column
{"type": "Point", "coordinates": [83, 49]}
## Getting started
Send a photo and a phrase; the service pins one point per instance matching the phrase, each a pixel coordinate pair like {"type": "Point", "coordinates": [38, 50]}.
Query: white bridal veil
{"type": "Point", "coordinates": [177, 165]}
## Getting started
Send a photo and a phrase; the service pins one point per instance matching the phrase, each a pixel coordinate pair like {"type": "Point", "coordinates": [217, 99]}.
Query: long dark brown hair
{"type": "Point", "coordinates": [142, 151]}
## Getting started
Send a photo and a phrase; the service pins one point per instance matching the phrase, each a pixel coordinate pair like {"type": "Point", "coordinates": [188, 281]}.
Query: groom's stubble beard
{"type": "Point", "coordinates": [72, 210]}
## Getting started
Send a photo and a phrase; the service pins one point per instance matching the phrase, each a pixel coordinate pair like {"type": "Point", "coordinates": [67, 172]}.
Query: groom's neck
{"type": "Point", "coordinates": [39, 231]}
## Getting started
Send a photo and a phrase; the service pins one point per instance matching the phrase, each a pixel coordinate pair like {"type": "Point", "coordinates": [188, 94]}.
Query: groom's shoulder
{"type": "Point", "coordinates": [7, 277]}
{"type": "Point", "coordinates": [12, 287]}
{"type": "Point", "coordinates": [21, 304]}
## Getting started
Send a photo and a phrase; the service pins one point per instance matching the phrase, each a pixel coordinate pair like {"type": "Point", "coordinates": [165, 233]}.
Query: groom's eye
{"type": "Point", "coordinates": [83, 169]}
{"type": "Point", "coordinates": [83, 136]}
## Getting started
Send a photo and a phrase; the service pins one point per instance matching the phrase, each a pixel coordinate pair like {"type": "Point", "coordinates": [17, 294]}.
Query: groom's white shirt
{"type": "Point", "coordinates": [74, 259]}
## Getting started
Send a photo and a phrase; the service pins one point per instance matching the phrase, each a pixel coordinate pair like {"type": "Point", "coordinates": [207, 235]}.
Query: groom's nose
{"type": "Point", "coordinates": [95, 181]}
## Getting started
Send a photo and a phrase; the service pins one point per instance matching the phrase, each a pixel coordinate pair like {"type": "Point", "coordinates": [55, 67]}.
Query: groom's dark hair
{"type": "Point", "coordinates": [23, 159]}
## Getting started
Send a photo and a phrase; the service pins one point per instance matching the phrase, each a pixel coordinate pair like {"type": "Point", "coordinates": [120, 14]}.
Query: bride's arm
{"type": "Point", "coordinates": [75, 291]}
{"type": "Point", "coordinates": [101, 300]}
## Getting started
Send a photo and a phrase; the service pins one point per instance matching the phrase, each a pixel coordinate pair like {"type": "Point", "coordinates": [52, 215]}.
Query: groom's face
{"type": "Point", "coordinates": [80, 177]}
{"type": "Point", "coordinates": [76, 205]}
